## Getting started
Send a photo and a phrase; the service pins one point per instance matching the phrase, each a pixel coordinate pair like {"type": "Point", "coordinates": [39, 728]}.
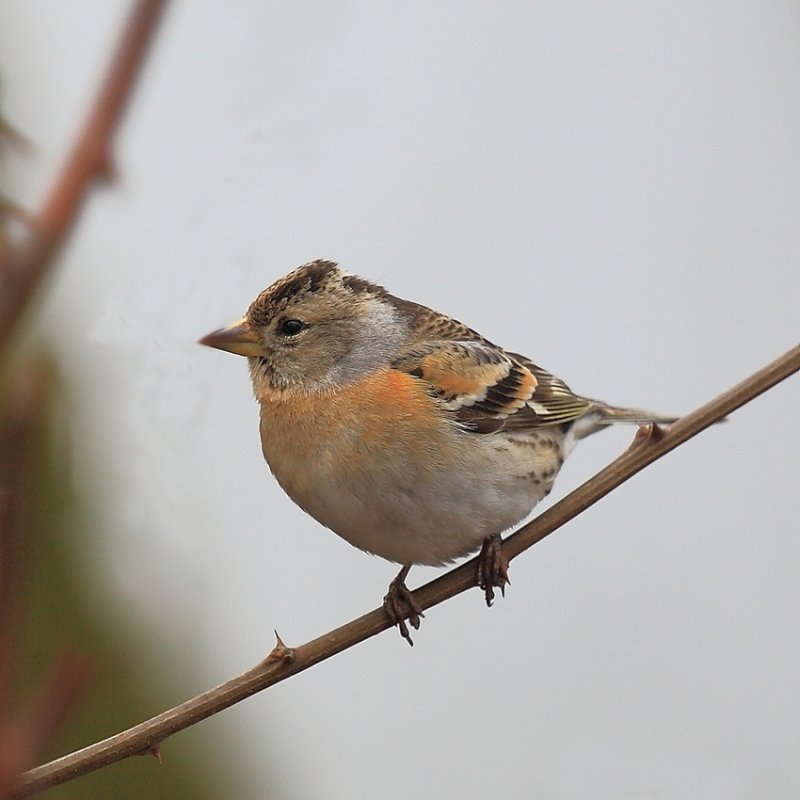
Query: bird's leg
{"type": "Point", "coordinates": [492, 567]}
{"type": "Point", "coordinates": [400, 605]}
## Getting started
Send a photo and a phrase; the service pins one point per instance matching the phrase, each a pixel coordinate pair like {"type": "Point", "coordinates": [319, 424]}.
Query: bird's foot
{"type": "Point", "coordinates": [492, 568]}
{"type": "Point", "coordinates": [400, 605]}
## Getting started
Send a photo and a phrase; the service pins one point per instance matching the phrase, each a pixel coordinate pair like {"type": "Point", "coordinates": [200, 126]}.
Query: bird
{"type": "Point", "coordinates": [407, 433]}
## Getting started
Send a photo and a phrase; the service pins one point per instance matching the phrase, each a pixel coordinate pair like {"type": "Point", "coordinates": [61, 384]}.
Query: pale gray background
{"type": "Point", "coordinates": [612, 188]}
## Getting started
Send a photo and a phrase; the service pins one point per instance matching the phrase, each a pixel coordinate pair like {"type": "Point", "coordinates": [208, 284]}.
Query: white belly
{"type": "Point", "coordinates": [408, 517]}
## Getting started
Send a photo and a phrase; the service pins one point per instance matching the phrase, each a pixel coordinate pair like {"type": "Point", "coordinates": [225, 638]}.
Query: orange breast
{"type": "Point", "coordinates": [385, 421]}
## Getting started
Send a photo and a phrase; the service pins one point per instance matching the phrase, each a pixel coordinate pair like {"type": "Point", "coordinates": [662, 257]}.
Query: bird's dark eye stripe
{"type": "Point", "coordinates": [291, 327]}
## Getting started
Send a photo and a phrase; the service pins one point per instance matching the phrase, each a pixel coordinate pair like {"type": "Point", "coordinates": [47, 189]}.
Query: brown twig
{"type": "Point", "coordinates": [649, 445]}
{"type": "Point", "coordinates": [23, 267]}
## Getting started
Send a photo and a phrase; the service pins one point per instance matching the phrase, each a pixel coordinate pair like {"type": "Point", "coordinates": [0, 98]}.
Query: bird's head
{"type": "Point", "coordinates": [316, 328]}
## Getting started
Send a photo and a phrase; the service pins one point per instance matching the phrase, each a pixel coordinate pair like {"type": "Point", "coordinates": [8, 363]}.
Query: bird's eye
{"type": "Point", "coordinates": [291, 327]}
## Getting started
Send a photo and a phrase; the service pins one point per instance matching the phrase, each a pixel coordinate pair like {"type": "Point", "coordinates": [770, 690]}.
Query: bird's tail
{"type": "Point", "coordinates": [600, 416]}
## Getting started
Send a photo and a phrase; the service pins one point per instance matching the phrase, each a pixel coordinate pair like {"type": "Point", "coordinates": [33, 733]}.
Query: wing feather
{"type": "Point", "coordinates": [486, 388]}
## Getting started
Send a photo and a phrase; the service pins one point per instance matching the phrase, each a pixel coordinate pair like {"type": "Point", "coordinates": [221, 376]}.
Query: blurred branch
{"type": "Point", "coordinates": [20, 422]}
{"type": "Point", "coordinates": [25, 259]}
{"type": "Point", "coordinates": [23, 266]}
{"type": "Point", "coordinates": [20, 419]}
{"type": "Point", "coordinates": [24, 729]}
{"type": "Point", "coordinates": [650, 444]}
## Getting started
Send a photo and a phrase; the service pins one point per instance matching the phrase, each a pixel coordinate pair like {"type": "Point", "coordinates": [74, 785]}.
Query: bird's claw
{"type": "Point", "coordinates": [492, 568]}
{"type": "Point", "coordinates": [400, 606]}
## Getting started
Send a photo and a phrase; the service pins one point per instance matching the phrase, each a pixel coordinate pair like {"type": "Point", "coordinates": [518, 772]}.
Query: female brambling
{"type": "Point", "coordinates": [401, 429]}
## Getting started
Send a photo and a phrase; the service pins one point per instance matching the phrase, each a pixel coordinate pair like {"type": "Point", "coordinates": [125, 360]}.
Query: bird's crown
{"type": "Point", "coordinates": [316, 278]}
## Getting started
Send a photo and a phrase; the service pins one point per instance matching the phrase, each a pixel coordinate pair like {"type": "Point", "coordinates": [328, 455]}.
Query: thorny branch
{"type": "Point", "coordinates": [650, 444]}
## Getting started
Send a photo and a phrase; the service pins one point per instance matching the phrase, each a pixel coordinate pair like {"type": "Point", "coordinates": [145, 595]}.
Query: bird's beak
{"type": "Point", "coordinates": [239, 338]}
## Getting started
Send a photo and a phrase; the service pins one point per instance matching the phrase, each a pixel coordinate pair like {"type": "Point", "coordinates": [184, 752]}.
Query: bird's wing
{"type": "Point", "coordinates": [487, 389]}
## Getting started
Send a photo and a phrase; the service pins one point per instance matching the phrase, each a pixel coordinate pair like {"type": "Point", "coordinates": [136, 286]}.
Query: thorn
{"type": "Point", "coordinates": [106, 169]}
{"type": "Point", "coordinates": [154, 750]}
{"type": "Point", "coordinates": [281, 652]}
{"type": "Point", "coordinates": [657, 432]}
{"type": "Point", "coordinates": [651, 432]}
